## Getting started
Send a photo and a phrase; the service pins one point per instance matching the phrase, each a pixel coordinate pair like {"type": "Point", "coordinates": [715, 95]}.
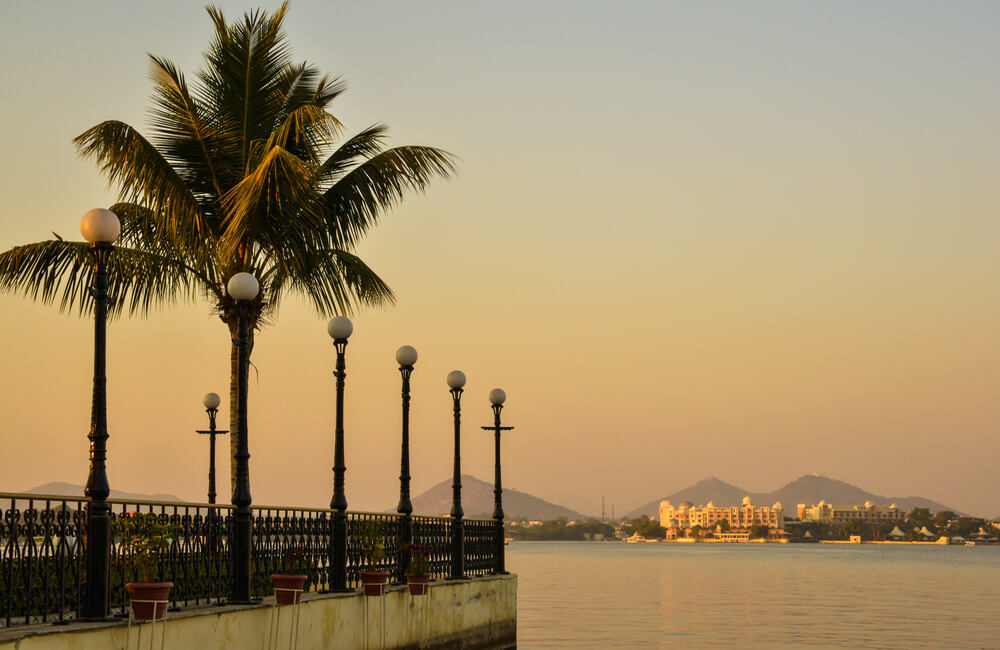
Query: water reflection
{"type": "Point", "coordinates": [664, 595]}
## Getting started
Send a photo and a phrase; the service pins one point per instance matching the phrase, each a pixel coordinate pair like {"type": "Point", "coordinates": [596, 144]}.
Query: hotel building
{"type": "Point", "coordinates": [868, 513]}
{"type": "Point", "coordinates": [746, 515]}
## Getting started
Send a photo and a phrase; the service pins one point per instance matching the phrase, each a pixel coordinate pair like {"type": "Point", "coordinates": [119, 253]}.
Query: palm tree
{"type": "Point", "coordinates": [242, 172]}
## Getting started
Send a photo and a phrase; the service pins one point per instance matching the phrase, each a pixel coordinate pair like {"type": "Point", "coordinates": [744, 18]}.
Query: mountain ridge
{"type": "Point", "coordinates": [809, 488]}
{"type": "Point", "coordinates": [477, 502]}
{"type": "Point", "coordinates": [62, 489]}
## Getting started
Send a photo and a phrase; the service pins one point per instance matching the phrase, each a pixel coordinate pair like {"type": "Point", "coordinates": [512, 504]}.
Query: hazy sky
{"type": "Point", "coordinates": [749, 240]}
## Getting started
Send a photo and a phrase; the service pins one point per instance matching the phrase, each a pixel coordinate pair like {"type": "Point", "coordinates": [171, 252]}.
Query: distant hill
{"type": "Point", "coordinates": [69, 490]}
{"type": "Point", "coordinates": [477, 501]}
{"type": "Point", "coordinates": [810, 488]}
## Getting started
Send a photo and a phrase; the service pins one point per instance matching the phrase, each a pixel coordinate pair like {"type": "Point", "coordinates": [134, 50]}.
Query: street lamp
{"type": "Point", "coordinates": [100, 227]}
{"type": "Point", "coordinates": [497, 398]}
{"type": "Point", "coordinates": [456, 379]}
{"type": "Point", "coordinates": [211, 402]}
{"type": "Point", "coordinates": [406, 356]}
{"type": "Point", "coordinates": [340, 329]}
{"type": "Point", "coordinates": [243, 288]}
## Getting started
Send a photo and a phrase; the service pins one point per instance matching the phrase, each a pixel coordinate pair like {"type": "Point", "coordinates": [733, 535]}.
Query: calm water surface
{"type": "Point", "coordinates": [615, 595]}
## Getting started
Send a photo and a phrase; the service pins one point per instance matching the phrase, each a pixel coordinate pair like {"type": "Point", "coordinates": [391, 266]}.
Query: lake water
{"type": "Point", "coordinates": [615, 595]}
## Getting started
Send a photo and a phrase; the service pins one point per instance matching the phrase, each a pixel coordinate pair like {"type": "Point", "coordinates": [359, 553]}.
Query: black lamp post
{"type": "Point", "coordinates": [406, 356]}
{"type": "Point", "coordinates": [211, 402]}
{"type": "Point", "coordinates": [340, 329]}
{"type": "Point", "coordinates": [456, 379]}
{"type": "Point", "coordinates": [100, 227]}
{"type": "Point", "coordinates": [243, 287]}
{"type": "Point", "coordinates": [497, 398]}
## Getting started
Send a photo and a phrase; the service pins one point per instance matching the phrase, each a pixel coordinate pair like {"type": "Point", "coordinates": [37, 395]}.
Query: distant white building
{"type": "Point", "coordinates": [867, 513]}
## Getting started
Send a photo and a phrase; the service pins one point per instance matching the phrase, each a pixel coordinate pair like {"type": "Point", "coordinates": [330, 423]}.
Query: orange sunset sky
{"type": "Point", "coordinates": [688, 239]}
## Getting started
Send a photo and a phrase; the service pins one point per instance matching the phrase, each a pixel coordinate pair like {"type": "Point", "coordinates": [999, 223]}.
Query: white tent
{"type": "Point", "coordinates": [896, 532]}
{"type": "Point", "coordinates": [925, 532]}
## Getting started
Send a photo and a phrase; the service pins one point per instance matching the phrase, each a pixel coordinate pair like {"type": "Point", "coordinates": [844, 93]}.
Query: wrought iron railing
{"type": "Point", "coordinates": [42, 567]}
{"type": "Point", "coordinates": [276, 532]}
{"type": "Point", "coordinates": [389, 526]}
{"type": "Point", "coordinates": [197, 562]}
{"type": "Point", "coordinates": [41, 558]}
{"type": "Point", "coordinates": [435, 533]}
{"type": "Point", "coordinates": [480, 557]}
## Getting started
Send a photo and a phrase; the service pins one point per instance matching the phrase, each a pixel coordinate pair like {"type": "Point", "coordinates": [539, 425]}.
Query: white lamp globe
{"type": "Point", "coordinates": [211, 400]}
{"type": "Point", "coordinates": [406, 355]}
{"type": "Point", "coordinates": [100, 225]}
{"type": "Point", "coordinates": [243, 286]}
{"type": "Point", "coordinates": [497, 396]}
{"type": "Point", "coordinates": [456, 379]}
{"type": "Point", "coordinates": [339, 327]}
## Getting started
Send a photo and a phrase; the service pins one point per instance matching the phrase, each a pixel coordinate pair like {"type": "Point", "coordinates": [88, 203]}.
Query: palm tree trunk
{"type": "Point", "coordinates": [234, 371]}
{"type": "Point", "coordinates": [234, 377]}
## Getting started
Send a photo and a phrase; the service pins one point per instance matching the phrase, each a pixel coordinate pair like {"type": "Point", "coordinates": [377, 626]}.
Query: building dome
{"type": "Point", "coordinates": [665, 504]}
{"type": "Point", "coordinates": [868, 504]}
{"type": "Point", "coordinates": [746, 501]}
{"type": "Point", "coordinates": [822, 503]}
{"type": "Point", "coordinates": [894, 507]}
{"type": "Point", "coordinates": [711, 504]}
{"type": "Point", "coordinates": [686, 505]}
{"type": "Point", "coordinates": [777, 506]}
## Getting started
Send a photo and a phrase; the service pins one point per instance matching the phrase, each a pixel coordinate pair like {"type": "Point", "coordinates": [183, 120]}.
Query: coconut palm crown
{"type": "Point", "coordinates": [243, 170]}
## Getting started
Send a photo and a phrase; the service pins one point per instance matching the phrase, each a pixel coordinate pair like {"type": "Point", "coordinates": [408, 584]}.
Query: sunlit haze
{"type": "Point", "coordinates": [749, 241]}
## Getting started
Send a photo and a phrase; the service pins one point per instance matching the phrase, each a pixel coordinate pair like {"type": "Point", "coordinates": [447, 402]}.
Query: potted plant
{"type": "Point", "coordinates": [144, 540]}
{"type": "Point", "coordinates": [418, 575]}
{"type": "Point", "coordinates": [370, 535]}
{"type": "Point", "coordinates": [289, 584]}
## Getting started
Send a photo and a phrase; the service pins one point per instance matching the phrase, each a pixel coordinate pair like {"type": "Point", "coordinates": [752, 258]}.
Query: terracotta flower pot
{"type": "Point", "coordinates": [419, 585]}
{"type": "Point", "coordinates": [288, 587]}
{"type": "Point", "coordinates": [374, 582]}
{"type": "Point", "coordinates": [142, 592]}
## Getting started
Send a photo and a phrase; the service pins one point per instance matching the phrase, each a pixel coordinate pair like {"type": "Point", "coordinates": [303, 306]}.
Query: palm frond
{"type": "Point", "coordinates": [56, 269]}
{"type": "Point", "coordinates": [128, 160]}
{"type": "Point", "coordinates": [304, 132]}
{"type": "Point", "coordinates": [183, 132]}
{"type": "Point", "coordinates": [140, 231]}
{"type": "Point", "coordinates": [354, 204]}
{"type": "Point", "coordinates": [299, 87]}
{"type": "Point", "coordinates": [360, 147]}
{"type": "Point", "coordinates": [246, 62]}
{"type": "Point", "coordinates": [328, 89]}
{"type": "Point", "coordinates": [275, 207]}
{"type": "Point", "coordinates": [333, 280]}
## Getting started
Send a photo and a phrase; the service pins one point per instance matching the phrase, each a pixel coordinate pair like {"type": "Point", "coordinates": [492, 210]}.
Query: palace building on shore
{"type": "Point", "coordinates": [744, 516]}
{"type": "Point", "coordinates": [867, 512]}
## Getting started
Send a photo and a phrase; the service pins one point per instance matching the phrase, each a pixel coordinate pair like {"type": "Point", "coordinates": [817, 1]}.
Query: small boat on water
{"type": "Point", "coordinates": [635, 538]}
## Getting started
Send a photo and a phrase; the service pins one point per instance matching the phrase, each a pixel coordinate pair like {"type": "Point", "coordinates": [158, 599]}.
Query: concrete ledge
{"type": "Point", "coordinates": [456, 615]}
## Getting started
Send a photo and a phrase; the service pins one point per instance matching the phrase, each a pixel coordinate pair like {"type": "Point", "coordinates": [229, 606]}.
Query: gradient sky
{"type": "Point", "coordinates": [748, 240]}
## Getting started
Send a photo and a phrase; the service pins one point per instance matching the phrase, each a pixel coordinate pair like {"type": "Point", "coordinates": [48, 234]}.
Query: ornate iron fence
{"type": "Point", "coordinates": [41, 558]}
{"type": "Point", "coordinates": [197, 562]}
{"type": "Point", "coordinates": [42, 568]}
{"type": "Point", "coordinates": [480, 550]}
{"type": "Point", "coordinates": [435, 533]}
{"type": "Point", "coordinates": [276, 532]}
{"type": "Point", "coordinates": [389, 528]}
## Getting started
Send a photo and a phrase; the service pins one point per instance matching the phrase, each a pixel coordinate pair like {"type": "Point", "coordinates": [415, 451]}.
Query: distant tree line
{"type": "Point", "coordinates": [562, 530]}
{"type": "Point", "coordinates": [943, 523]}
